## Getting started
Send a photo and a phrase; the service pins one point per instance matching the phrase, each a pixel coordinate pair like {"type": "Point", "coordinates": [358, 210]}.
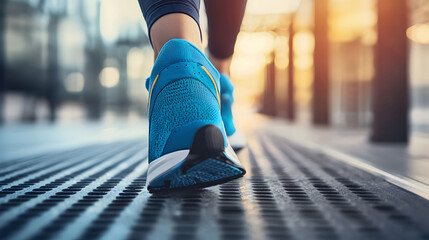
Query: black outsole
{"type": "Point", "coordinates": [198, 185]}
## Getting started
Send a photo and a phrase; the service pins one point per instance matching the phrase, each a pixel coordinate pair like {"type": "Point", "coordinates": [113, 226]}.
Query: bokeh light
{"type": "Point", "coordinates": [419, 33]}
{"type": "Point", "coordinates": [74, 82]}
{"type": "Point", "coordinates": [109, 77]}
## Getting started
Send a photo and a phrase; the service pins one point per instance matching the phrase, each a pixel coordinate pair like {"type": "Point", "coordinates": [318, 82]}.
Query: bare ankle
{"type": "Point", "coordinates": [222, 65]}
{"type": "Point", "coordinates": [174, 26]}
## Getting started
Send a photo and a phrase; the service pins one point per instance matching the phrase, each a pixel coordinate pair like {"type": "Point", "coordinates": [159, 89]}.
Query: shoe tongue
{"type": "Point", "coordinates": [179, 50]}
{"type": "Point", "coordinates": [147, 83]}
{"type": "Point", "coordinates": [226, 84]}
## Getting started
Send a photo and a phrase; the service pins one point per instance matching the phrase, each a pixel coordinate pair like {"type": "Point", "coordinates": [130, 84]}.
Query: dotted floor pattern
{"type": "Point", "coordinates": [289, 192]}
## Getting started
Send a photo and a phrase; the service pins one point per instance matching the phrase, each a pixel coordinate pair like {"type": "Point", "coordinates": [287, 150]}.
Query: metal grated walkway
{"type": "Point", "coordinates": [289, 192]}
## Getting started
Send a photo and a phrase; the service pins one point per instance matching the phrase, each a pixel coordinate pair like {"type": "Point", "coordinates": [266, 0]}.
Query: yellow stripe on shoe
{"type": "Point", "coordinates": [151, 89]}
{"type": "Point", "coordinates": [214, 83]}
{"type": "Point", "coordinates": [205, 70]}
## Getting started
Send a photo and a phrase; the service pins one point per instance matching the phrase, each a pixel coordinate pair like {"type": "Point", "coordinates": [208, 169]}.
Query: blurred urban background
{"type": "Point", "coordinates": [84, 60]}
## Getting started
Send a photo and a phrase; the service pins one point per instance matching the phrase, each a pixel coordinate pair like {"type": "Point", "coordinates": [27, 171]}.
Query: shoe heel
{"type": "Point", "coordinates": [208, 143]}
{"type": "Point", "coordinates": [207, 164]}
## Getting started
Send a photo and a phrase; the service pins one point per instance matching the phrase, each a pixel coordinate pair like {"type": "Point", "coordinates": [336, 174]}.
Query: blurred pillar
{"type": "Point", "coordinates": [94, 57]}
{"type": "Point", "coordinates": [390, 86]}
{"type": "Point", "coordinates": [321, 77]}
{"type": "Point", "coordinates": [93, 90]}
{"type": "Point", "coordinates": [291, 79]}
{"type": "Point", "coordinates": [2, 57]}
{"type": "Point", "coordinates": [52, 86]}
{"type": "Point", "coordinates": [124, 99]}
{"type": "Point", "coordinates": [269, 101]}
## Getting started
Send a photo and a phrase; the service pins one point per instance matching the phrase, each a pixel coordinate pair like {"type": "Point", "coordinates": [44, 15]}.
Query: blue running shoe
{"type": "Point", "coordinates": [236, 139]}
{"type": "Point", "coordinates": [188, 147]}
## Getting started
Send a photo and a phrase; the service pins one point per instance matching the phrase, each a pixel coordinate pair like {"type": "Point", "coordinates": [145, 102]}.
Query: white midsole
{"type": "Point", "coordinates": [165, 163]}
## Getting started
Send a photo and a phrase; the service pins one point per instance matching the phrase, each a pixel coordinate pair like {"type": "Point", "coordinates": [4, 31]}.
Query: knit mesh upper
{"type": "Point", "coordinates": [177, 105]}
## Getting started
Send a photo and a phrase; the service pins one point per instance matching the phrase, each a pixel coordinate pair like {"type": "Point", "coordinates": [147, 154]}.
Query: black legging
{"type": "Point", "coordinates": [224, 19]}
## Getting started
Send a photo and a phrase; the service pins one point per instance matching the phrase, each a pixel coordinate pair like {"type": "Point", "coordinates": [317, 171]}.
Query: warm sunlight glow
{"type": "Point", "coordinates": [282, 53]}
{"type": "Point", "coordinates": [272, 6]}
{"type": "Point", "coordinates": [303, 48]}
{"type": "Point", "coordinates": [419, 33]}
{"type": "Point", "coordinates": [303, 42]}
{"type": "Point", "coordinates": [251, 53]}
{"type": "Point", "coordinates": [303, 61]}
{"type": "Point", "coordinates": [349, 20]}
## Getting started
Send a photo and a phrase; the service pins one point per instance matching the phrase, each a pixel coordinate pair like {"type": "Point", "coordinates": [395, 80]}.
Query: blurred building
{"type": "Point", "coordinates": [352, 31]}
{"type": "Point", "coordinates": [73, 59]}
{"type": "Point", "coordinates": [88, 59]}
